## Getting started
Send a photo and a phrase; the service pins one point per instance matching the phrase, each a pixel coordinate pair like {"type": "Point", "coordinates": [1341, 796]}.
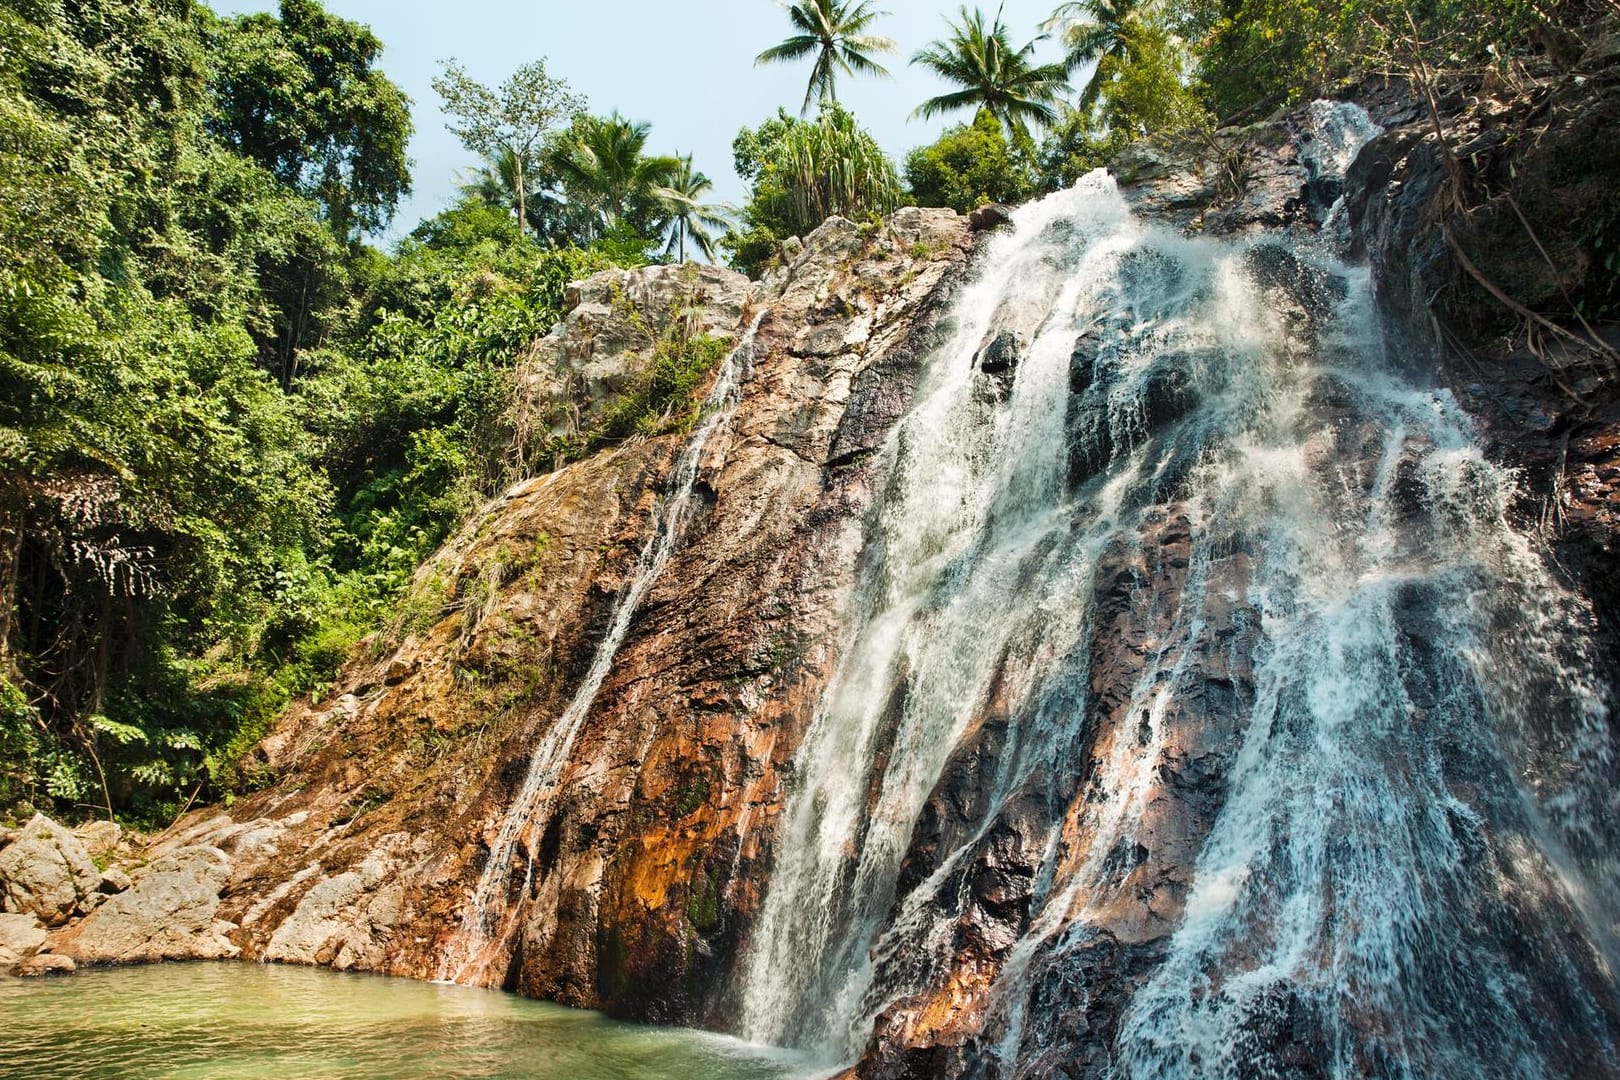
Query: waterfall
{"type": "Point", "coordinates": [492, 918]}
{"type": "Point", "coordinates": [1408, 864]}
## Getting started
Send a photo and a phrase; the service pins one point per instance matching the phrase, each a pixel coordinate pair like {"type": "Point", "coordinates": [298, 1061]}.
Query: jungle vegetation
{"type": "Point", "coordinates": [231, 427]}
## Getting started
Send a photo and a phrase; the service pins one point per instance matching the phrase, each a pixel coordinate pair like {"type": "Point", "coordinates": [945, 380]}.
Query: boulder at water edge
{"type": "Point", "coordinates": [167, 914]}
{"type": "Point", "coordinates": [46, 872]}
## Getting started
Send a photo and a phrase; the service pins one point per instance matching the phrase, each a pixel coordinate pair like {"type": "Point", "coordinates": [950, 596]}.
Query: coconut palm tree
{"type": "Point", "coordinates": [993, 75]}
{"type": "Point", "coordinates": [1096, 30]}
{"type": "Point", "coordinates": [602, 161]}
{"type": "Point", "coordinates": [689, 217]}
{"type": "Point", "coordinates": [836, 33]}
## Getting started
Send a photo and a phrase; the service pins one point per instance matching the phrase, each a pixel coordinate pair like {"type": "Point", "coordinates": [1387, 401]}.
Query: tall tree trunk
{"type": "Point", "coordinates": [522, 202]}
{"type": "Point", "coordinates": [11, 540]}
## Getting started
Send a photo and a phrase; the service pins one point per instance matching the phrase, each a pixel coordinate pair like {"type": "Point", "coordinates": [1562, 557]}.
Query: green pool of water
{"type": "Point", "coordinates": [247, 1020]}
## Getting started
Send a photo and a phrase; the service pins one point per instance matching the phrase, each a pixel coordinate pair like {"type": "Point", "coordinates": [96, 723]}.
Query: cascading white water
{"type": "Point", "coordinates": [493, 915]}
{"type": "Point", "coordinates": [1422, 783]}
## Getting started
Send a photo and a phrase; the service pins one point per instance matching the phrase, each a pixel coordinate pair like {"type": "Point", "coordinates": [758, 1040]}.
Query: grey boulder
{"type": "Point", "coordinates": [46, 872]}
{"type": "Point", "coordinates": [167, 914]}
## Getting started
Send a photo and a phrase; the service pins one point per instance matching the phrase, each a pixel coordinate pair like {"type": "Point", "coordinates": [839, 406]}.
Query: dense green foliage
{"type": "Point", "coordinates": [157, 490]}
{"type": "Point", "coordinates": [968, 166]}
{"type": "Point", "coordinates": [301, 96]}
{"type": "Point", "coordinates": [804, 172]}
{"type": "Point", "coordinates": [229, 430]}
{"type": "Point", "coordinates": [1259, 54]}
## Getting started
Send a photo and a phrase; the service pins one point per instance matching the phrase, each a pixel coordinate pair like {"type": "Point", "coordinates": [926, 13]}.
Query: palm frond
{"type": "Point", "coordinates": [793, 48]}
{"type": "Point", "coordinates": [860, 64]}
{"type": "Point", "coordinates": [947, 103]}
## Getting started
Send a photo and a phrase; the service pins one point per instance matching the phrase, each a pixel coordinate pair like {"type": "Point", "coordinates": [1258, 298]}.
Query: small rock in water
{"type": "Point", "coordinates": [43, 965]}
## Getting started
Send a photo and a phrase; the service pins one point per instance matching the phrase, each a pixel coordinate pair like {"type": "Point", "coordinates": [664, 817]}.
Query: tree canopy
{"type": "Point", "coordinates": [508, 123]}
{"type": "Point", "coordinates": [803, 172]}
{"type": "Point", "coordinates": [301, 96]}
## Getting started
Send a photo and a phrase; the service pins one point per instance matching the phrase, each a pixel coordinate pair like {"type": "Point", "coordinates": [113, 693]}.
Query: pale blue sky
{"type": "Point", "coordinates": [686, 68]}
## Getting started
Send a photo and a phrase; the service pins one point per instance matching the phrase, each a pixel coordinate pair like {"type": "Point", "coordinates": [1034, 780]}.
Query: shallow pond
{"type": "Point", "coordinates": [248, 1020]}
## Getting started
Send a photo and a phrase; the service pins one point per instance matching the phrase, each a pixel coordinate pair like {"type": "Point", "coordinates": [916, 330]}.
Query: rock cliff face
{"type": "Point", "coordinates": [363, 851]}
{"type": "Point", "coordinates": [1061, 862]}
{"type": "Point", "coordinates": [983, 851]}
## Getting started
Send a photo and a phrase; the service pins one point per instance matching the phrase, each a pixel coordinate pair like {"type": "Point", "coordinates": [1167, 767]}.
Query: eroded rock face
{"type": "Point", "coordinates": [168, 914]}
{"type": "Point", "coordinates": [600, 351]}
{"type": "Point", "coordinates": [46, 872]}
{"type": "Point", "coordinates": [100, 838]}
{"type": "Point", "coordinates": [652, 862]}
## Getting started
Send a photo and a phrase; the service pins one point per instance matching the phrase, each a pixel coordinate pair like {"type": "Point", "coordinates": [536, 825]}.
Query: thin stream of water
{"type": "Point", "coordinates": [477, 953]}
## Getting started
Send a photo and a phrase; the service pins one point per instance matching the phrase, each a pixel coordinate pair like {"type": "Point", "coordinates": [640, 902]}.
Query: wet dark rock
{"type": "Point", "coordinates": [1168, 392]}
{"type": "Point", "coordinates": [994, 216]}
{"type": "Point", "coordinates": [1309, 289]}
{"type": "Point", "coordinates": [1001, 354]}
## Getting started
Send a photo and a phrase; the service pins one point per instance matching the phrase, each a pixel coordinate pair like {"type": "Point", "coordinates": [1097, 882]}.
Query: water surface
{"type": "Point", "coordinates": [245, 1020]}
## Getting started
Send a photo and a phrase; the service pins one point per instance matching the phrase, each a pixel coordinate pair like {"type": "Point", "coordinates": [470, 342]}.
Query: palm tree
{"type": "Point", "coordinates": [689, 218]}
{"type": "Point", "coordinates": [835, 32]}
{"type": "Point", "coordinates": [603, 161]}
{"type": "Point", "coordinates": [993, 75]}
{"type": "Point", "coordinates": [504, 182]}
{"type": "Point", "coordinates": [1096, 30]}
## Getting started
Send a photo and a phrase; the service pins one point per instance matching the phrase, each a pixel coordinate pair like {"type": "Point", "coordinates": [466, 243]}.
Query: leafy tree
{"type": "Point", "coordinates": [603, 165]}
{"type": "Point", "coordinates": [1256, 55]}
{"type": "Point", "coordinates": [1142, 91]}
{"type": "Point", "coordinates": [994, 76]}
{"type": "Point", "coordinates": [473, 221]}
{"type": "Point", "coordinates": [835, 33]}
{"type": "Point", "coordinates": [1093, 31]}
{"type": "Point", "coordinates": [1145, 87]}
{"type": "Point", "coordinates": [754, 148]}
{"type": "Point", "coordinates": [690, 218]}
{"type": "Point", "coordinates": [301, 95]}
{"type": "Point", "coordinates": [156, 491]}
{"type": "Point", "coordinates": [185, 542]}
{"type": "Point", "coordinates": [513, 119]}
{"type": "Point", "coordinates": [968, 166]}
{"type": "Point", "coordinates": [503, 182]}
